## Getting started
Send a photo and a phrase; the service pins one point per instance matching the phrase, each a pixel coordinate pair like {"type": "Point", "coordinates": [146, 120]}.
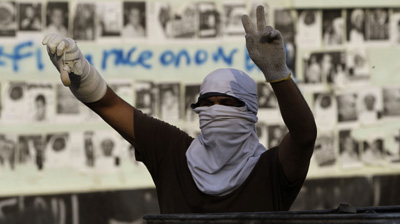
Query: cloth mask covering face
{"type": "Point", "coordinates": [224, 154]}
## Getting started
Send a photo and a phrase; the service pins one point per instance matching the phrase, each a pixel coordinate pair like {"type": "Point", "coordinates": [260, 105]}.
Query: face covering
{"type": "Point", "coordinates": [224, 154]}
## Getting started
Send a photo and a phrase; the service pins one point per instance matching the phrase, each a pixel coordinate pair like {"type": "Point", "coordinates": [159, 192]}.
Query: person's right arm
{"type": "Point", "coordinates": [117, 113]}
{"type": "Point", "coordinates": [88, 86]}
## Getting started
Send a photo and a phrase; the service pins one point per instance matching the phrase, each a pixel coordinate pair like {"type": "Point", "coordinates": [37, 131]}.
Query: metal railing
{"type": "Point", "coordinates": [344, 214]}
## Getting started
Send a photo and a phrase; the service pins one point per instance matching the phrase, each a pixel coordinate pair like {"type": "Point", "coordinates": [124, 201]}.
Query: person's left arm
{"type": "Point", "coordinates": [266, 48]}
{"type": "Point", "coordinates": [297, 146]}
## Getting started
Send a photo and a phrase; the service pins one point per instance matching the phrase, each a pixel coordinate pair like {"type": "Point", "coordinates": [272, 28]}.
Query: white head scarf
{"type": "Point", "coordinates": [223, 155]}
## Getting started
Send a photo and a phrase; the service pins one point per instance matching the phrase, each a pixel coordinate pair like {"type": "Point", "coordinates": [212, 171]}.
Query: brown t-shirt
{"type": "Point", "coordinates": [162, 147]}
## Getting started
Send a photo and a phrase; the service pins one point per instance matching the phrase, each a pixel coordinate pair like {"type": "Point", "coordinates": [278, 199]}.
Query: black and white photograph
{"type": "Point", "coordinates": [349, 150]}
{"type": "Point", "coordinates": [40, 101]}
{"type": "Point", "coordinates": [14, 102]}
{"type": "Point", "coordinates": [377, 24]}
{"type": "Point", "coordinates": [83, 26]}
{"type": "Point", "coordinates": [355, 25]}
{"type": "Point", "coordinates": [325, 67]}
{"type": "Point", "coordinates": [394, 153]}
{"type": "Point", "coordinates": [391, 101]}
{"type": "Point", "coordinates": [109, 16]}
{"type": "Point", "coordinates": [160, 20]}
{"type": "Point", "coordinates": [333, 68]}
{"type": "Point", "coordinates": [184, 23]}
{"type": "Point", "coordinates": [332, 27]}
{"type": "Point", "coordinates": [309, 28]}
{"type": "Point", "coordinates": [266, 97]}
{"type": "Point", "coordinates": [347, 107]}
{"type": "Point", "coordinates": [8, 20]}
{"type": "Point", "coordinates": [135, 24]}
{"type": "Point", "coordinates": [145, 99]}
{"type": "Point", "coordinates": [394, 30]}
{"type": "Point", "coordinates": [312, 69]}
{"type": "Point", "coordinates": [31, 151]}
{"type": "Point", "coordinates": [233, 12]}
{"type": "Point", "coordinates": [67, 106]}
{"type": "Point", "coordinates": [374, 151]}
{"type": "Point", "coordinates": [191, 96]}
{"type": "Point", "coordinates": [106, 149]}
{"type": "Point", "coordinates": [57, 18]}
{"type": "Point", "coordinates": [324, 150]}
{"type": "Point", "coordinates": [357, 64]}
{"type": "Point", "coordinates": [325, 110]}
{"type": "Point", "coordinates": [276, 134]}
{"type": "Point", "coordinates": [8, 152]}
{"type": "Point", "coordinates": [284, 22]}
{"type": "Point", "coordinates": [370, 105]}
{"type": "Point", "coordinates": [89, 148]}
{"type": "Point", "coordinates": [339, 78]}
{"type": "Point", "coordinates": [209, 20]}
{"type": "Point", "coordinates": [57, 150]}
{"type": "Point", "coordinates": [169, 95]}
{"type": "Point", "coordinates": [30, 16]}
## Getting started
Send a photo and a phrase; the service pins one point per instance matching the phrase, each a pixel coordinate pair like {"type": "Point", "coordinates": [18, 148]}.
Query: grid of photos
{"type": "Point", "coordinates": [335, 70]}
{"type": "Point", "coordinates": [96, 152]}
{"type": "Point", "coordinates": [126, 20]}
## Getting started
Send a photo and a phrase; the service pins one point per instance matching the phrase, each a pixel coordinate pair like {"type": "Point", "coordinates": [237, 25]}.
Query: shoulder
{"type": "Point", "coordinates": [147, 127]}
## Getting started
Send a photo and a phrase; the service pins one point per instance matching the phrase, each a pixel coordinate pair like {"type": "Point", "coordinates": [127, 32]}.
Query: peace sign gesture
{"type": "Point", "coordinates": [266, 48]}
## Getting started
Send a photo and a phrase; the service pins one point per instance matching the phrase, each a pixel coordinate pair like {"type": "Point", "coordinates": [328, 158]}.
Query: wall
{"type": "Point", "coordinates": [342, 55]}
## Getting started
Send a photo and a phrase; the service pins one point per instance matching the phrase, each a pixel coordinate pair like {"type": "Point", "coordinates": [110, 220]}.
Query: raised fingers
{"type": "Point", "coordinates": [52, 41]}
{"type": "Point", "coordinates": [248, 25]}
{"type": "Point", "coordinates": [261, 22]}
{"type": "Point", "coordinates": [65, 45]}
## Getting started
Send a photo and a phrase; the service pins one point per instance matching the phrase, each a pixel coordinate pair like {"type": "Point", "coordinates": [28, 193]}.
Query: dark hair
{"type": "Point", "coordinates": [40, 97]}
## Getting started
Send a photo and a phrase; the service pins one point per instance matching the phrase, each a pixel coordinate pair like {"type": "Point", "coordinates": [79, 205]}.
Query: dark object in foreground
{"type": "Point", "coordinates": [344, 214]}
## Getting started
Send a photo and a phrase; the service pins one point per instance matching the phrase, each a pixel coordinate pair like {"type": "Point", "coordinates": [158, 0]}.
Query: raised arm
{"type": "Point", "coordinates": [266, 48]}
{"type": "Point", "coordinates": [88, 86]}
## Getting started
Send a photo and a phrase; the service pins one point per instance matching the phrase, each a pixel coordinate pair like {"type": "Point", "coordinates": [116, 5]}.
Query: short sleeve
{"type": "Point", "coordinates": [156, 140]}
{"type": "Point", "coordinates": [285, 193]}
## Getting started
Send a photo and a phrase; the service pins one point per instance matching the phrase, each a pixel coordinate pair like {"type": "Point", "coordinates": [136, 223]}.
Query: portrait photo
{"type": "Point", "coordinates": [57, 18]}
{"type": "Point", "coordinates": [232, 18]}
{"type": "Point", "coordinates": [332, 27]}
{"type": "Point", "coordinates": [347, 107]}
{"type": "Point", "coordinates": [349, 150]}
{"type": "Point", "coordinates": [30, 16]}
{"type": "Point", "coordinates": [134, 20]}
{"type": "Point", "coordinates": [110, 18]}
{"type": "Point", "coordinates": [169, 104]}
{"type": "Point", "coordinates": [355, 25]}
{"type": "Point", "coordinates": [377, 24]}
{"type": "Point", "coordinates": [309, 28]}
{"type": "Point", "coordinates": [209, 20]}
{"type": "Point", "coordinates": [83, 26]}
{"type": "Point", "coordinates": [8, 19]}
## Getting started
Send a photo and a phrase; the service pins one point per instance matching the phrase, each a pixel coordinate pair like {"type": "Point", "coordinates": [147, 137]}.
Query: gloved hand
{"type": "Point", "coordinates": [76, 72]}
{"type": "Point", "coordinates": [266, 48]}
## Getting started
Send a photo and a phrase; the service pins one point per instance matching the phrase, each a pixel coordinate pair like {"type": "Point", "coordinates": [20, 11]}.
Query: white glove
{"type": "Point", "coordinates": [265, 47]}
{"type": "Point", "coordinates": [76, 72]}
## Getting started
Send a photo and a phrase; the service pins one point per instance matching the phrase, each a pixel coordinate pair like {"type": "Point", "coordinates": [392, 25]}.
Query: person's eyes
{"type": "Point", "coordinates": [205, 103]}
{"type": "Point", "coordinates": [229, 102]}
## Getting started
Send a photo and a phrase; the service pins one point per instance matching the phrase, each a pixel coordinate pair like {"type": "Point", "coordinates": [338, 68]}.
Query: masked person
{"type": "Point", "coordinates": [224, 169]}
